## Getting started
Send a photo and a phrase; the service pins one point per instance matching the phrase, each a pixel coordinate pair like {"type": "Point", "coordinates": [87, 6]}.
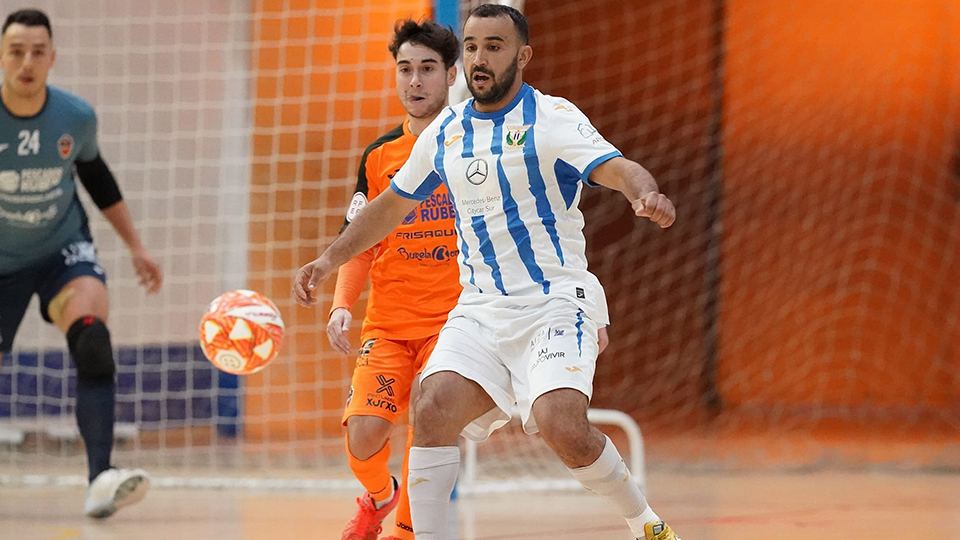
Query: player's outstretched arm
{"type": "Point", "coordinates": [148, 271]}
{"type": "Point", "coordinates": [381, 216]}
{"type": "Point", "coordinates": [99, 182]}
{"type": "Point", "coordinates": [639, 187]}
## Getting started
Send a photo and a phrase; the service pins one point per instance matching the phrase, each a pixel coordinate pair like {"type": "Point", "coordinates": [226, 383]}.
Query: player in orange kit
{"type": "Point", "coordinates": [414, 279]}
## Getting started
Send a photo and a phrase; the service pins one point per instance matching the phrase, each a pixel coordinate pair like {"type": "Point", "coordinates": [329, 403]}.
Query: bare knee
{"type": "Point", "coordinates": [367, 435]}
{"type": "Point", "coordinates": [433, 426]}
{"type": "Point", "coordinates": [81, 297]}
{"type": "Point", "coordinates": [447, 403]}
{"type": "Point", "coordinates": [562, 419]}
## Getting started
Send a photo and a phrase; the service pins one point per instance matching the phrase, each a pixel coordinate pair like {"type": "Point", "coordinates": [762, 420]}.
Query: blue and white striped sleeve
{"type": "Point", "coordinates": [418, 178]}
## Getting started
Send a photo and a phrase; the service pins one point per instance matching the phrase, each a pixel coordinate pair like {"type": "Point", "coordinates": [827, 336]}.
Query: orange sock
{"type": "Point", "coordinates": [404, 527]}
{"type": "Point", "coordinates": [374, 473]}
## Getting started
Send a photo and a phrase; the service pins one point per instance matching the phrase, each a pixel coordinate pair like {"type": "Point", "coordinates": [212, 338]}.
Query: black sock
{"type": "Point", "coordinates": [95, 412]}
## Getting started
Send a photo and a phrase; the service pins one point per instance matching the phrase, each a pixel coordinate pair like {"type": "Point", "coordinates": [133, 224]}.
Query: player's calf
{"type": "Point", "coordinates": [368, 453]}
{"type": "Point", "coordinates": [89, 342]}
{"type": "Point", "coordinates": [594, 461]}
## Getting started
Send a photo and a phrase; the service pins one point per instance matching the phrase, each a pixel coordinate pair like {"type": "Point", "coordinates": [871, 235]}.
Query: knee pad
{"type": "Point", "coordinates": [89, 343]}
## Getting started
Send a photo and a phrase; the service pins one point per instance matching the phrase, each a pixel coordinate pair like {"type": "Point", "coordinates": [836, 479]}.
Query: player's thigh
{"type": "Point", "coordinates": [447, 404]}
{"type": "Point", "coordinates": [562, 355]}
{"type": "Point", "coordinates": [83, 296]}
{"type": "Point", "coordinates": [464, 379]}
{"type": "Point", "coordinates": [73, 285]}
{"type": "Point", "coordinates": [15, 293]}
{"type": "Point", "coordinates": [381, 381]}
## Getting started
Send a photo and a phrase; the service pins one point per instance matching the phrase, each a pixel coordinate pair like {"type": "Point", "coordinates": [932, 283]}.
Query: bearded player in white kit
{"type": "Point", "coordinates": [524, 330]}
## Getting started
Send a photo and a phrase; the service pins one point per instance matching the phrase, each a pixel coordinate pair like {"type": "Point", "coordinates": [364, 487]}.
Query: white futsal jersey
{"type": "Point", "coordinates": [515, 176]}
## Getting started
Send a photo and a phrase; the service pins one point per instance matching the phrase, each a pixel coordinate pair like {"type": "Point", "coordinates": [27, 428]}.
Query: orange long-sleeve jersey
{"type": "Point", "coordinates": [413, 272]}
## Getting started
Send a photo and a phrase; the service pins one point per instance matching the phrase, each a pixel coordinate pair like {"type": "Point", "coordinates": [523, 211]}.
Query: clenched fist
{"type": "Point", "coordinates": [657, 208]}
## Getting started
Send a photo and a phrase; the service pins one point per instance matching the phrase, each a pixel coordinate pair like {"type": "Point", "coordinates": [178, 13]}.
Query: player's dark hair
{"type": "Point", "coordinates": [429, 34]}
{"type": "Point", "coordinates": [28, 17]}
{"type": "Point", "coordinates": [500, 10]}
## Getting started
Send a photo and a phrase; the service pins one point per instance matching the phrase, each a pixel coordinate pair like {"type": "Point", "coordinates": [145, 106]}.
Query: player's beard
{"type": "Point", "coordinates": [501, 85]}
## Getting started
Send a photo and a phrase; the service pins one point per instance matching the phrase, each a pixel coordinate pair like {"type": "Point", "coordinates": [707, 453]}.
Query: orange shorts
{"type": "Point", "coordinates": [386, 370]}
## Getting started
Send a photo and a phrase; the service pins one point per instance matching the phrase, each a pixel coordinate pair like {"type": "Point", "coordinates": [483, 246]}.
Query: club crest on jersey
{"type": "Point", "coordinates": [516, 136]}
{"type": "Point", "coordinates": [65, 145]}
{"type": "Point", "coordinates": [477, 171]}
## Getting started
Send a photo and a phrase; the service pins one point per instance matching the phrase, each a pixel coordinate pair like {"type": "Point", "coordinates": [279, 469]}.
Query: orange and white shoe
{"type": "Point", "coordinates": [365, 525]}
{"type": "Point", "coordinates": [658, 531]}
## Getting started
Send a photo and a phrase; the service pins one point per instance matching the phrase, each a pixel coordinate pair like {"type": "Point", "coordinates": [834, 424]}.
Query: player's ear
{"type": "Point", "coordinates": [451, 76]}
{"type": "Point", "coordinates": [524, 56]}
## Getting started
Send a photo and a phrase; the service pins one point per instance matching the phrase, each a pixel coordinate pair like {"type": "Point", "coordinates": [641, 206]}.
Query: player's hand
{"type": "Point", "coordinates": [657, 208]}
{"type": "Point", "coordinates": [602, 338]}
{"type": "Point", "coordinates": [147, 269]}
{"type": "Point", "coordinates": [337, 329]}
{"type": "Point", "coordinates": [309, 277]}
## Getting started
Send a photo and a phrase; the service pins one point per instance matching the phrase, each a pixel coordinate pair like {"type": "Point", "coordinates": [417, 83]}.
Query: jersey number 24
{"type": "Point", "coordinates": [29, 143]}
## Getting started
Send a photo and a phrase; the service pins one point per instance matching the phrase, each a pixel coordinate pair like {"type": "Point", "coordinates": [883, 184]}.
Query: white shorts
{"type": "Point", "coordinates": [517, 354]}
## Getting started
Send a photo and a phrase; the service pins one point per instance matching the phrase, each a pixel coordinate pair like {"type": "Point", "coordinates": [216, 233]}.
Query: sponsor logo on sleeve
{"type": "Point", "coordinates": [356, 205]}
{"type": "Point", "coordinates": [590, 133]}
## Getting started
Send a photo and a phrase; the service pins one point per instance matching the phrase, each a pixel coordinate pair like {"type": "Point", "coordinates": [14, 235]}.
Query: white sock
{"type": "Point", "coordinates": [636, 524]}
{"type": "Point", "coordinates": [433, 472]}
{"type": "Point", "coordinates": [608, 476]}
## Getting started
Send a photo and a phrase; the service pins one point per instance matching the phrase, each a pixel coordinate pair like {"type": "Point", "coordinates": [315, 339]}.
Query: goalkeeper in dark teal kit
{"type": "Point", "coordinates": [47, 136]}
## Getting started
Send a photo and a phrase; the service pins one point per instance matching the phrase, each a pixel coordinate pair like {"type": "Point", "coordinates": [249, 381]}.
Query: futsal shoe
{"type": "Point", "coordinates": [113, 489]}
{"type": "Point", "coordinates": [658, 531]}
{"type": "Point", "coordinates": [365, 525]}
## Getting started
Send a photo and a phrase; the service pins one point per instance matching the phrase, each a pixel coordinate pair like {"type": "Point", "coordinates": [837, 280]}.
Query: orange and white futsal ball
{"type": "Point", "coordinates": [241, 332]}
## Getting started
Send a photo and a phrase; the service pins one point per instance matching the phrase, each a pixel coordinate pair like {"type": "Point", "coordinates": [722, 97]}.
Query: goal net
{"type": "Point", "coordinates": [801, 313]}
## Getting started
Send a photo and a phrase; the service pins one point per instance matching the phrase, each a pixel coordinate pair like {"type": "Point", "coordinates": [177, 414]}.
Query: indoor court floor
{"type": "Point", "coordinates": [848, 506]}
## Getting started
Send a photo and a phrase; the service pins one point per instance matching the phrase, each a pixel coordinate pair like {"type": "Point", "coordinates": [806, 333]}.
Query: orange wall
{"type": "Point", "coordinates": [840, 281]}
{"type": "Point", "coordinates": [323, 88]}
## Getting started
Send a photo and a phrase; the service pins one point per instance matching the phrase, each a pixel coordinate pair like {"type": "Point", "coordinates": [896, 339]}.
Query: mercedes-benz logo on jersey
{"type": "Point", "coordinates": [477, 171]}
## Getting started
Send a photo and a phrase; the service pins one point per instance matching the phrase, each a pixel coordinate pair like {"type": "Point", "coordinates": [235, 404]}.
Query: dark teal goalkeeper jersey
{"type": "Point", "coordinates": [40, 212]}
